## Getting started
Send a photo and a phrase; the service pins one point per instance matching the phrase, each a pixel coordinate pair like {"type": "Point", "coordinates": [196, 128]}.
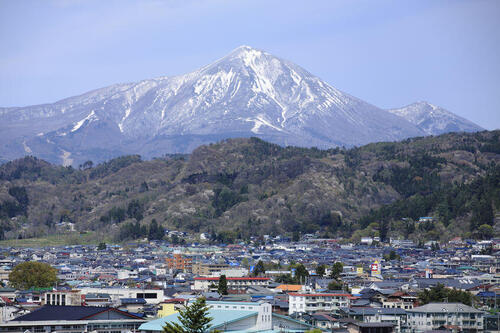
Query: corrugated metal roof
{"type": "Point", "coordinates": [220, 317]}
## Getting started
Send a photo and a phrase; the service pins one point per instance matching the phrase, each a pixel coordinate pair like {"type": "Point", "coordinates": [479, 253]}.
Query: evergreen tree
{"type": "Point", "coordinates": [194, 319]}
{"type": "Point", "coordinates": [135, 210]}
{"type": "Point", "coordinates": [320, 270]}
{"type": "Point", "coordinates": [301, 273]}
{"type": "Point", "coordinates": [383, 229]}
{"type": "Point", "coordinates": [222, 287]}
{"type": "Point", "coordinates": [155, 231]}
{"type": "Point", "coordinates": [259, 269]}
{"type": "Point", "coordinates": [337, 268]}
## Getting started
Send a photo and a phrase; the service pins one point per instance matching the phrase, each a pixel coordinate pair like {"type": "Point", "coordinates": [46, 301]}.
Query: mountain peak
{"type": "Point", "coordinates": [425, 104]}
{"type": "Point", "coordinates": [249, 92]}
{"type": "Point", "coordinates": [243, 49]}
{"type": "Point", "coordinates": [434, 120]}
{"type": "Point", "coordinates": [246, 53]}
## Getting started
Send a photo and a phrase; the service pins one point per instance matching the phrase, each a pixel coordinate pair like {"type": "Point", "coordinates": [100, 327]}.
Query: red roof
{"type": "Point", "coordinates": [295, 294]}
{"type": "Point", "coordinates": [6, 300]}
{"type": "Point", "coordinates": [233, 278]}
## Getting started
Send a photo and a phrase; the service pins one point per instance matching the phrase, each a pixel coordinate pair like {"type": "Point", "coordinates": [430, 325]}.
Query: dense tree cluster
{"type": "Point", "coordinates": [440, 294]}
{"type": "Point", "coordinates": [477, 198]}
{"type": "Point", "coordinates": [135, 230]}
{"type": "Point", "coordinates": [223, 199]}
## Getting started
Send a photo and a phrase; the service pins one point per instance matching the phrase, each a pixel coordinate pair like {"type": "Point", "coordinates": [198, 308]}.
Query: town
{"type": "Point", "coordinates": [271, 284]}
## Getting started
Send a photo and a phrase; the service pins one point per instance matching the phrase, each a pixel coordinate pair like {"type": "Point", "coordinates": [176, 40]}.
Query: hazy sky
{"type": "Point", "coordinates": [389, 53]}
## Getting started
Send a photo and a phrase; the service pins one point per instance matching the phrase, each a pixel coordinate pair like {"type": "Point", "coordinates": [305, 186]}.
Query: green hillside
{"type": "Point", "coordinates": [244, 187]}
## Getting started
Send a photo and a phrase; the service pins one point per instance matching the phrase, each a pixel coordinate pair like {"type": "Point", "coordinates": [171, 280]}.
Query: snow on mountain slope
{"type": "Point", "coordinates": [434, 120]}
{"type": "Point", "coordinates": [247, 93]}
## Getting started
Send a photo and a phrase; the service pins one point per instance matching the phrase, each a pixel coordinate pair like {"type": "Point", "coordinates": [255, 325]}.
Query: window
{"type": "Point", "coordinates": [146, 295]}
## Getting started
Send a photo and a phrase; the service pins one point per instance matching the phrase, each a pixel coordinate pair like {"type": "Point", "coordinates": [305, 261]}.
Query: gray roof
{"type": "Point", "coordinates": [374, 311]}
{"type": "Point", "coordinates": [444, 308]}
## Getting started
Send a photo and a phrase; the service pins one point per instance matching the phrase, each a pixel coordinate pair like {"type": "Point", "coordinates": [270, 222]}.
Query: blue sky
{"type": "Point", "coordinates": [389, 53]}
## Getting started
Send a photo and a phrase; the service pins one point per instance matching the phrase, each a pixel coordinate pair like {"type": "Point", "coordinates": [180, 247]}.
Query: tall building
{"type": "Point", "coordinates": [178, 261]}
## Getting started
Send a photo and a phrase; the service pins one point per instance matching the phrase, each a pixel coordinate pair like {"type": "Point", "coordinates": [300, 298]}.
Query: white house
{"type": "Point", "coordinates": [204, 283]}
{"type": "Point", "coordinates": [310, 303]}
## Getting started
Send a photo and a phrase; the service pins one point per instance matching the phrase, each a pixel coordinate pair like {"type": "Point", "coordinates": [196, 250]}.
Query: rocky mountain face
{"type": "Point", "coordinates": [433, 120]}
{"type": "Point", "coordinates": [247, 93]}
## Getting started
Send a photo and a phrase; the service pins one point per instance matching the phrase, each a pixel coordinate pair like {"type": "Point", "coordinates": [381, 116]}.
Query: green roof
{"type": "Point", "coordinates": [220, 318]}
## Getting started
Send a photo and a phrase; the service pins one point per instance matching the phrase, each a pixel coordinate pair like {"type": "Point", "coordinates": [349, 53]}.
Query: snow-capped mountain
{"type": "Point", "coordinates": [247, 93]}
{"type": "Point", "coordinates": [434, 120]}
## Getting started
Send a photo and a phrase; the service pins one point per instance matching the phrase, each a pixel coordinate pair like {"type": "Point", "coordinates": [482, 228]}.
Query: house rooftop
{"type": "Point", "coordinates": [220, 317]}
{"type": "Point", "coordinates": [61, 312]}
{"type": "Point", "coordinates": [445, 308]}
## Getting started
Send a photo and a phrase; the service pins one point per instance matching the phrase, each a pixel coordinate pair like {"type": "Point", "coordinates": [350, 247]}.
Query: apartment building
{"type": "Point", "coordinates": [310, 303]}
{"type": "Point", "coordinates": [399, 300]}
{"type": "Point", "coordinates": [434, 316]}
{"type": "Point", "coordinates": [178, 261]}
{"type": "Point", "coordinates": [201, 269]}
{"type": "Point", "coordinates": [235, 283]}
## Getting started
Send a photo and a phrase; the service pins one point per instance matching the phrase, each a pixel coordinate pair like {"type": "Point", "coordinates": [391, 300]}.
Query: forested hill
{"type": "Point", "coordinates": [243, 187]}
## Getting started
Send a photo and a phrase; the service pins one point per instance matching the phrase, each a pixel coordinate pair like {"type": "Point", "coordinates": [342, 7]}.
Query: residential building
{"type": "Point", "coordinates": [399, 300]}
{"type": "Point", "coordinates": [395, 316]}
{"type": "Point", "coordinates": [73, 319]}
{"type": "Point", "coordinates": [234, 283]}
{"type": "Point", "coordinates": [179, 262]}
{"type": "Point", "coordinates": [434, 316]}
{"type": "Point", "coordinates": [358, 327]}
{"type": "Point", "coordinates": [201, 269]}
{"type": "Point", "coordinates": [310, 303]}
{"type": "Point", "coordinates": [97, 300]}
{"type": "Point", "coordinates": [166, 309]}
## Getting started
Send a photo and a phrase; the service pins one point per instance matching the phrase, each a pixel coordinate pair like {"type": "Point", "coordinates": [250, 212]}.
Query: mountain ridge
{"type": "Point", "coordinates": [246, 93]}
{"type": "Point", "coordinates": [434, 120]}
{"type": "Point", "coordinates": [246, 186]}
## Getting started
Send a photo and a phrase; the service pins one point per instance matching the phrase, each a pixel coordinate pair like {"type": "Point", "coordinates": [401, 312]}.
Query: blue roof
{"type": "Point", "coordinates": [487, 294]}
{"type": "Point", "coordinates": [133, 300]}
{"type": "Point", "coordinates": [220, 317]}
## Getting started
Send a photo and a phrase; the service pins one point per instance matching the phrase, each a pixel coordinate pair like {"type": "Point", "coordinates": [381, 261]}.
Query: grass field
{"type": "Point", "coordinates": [54, 240]}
